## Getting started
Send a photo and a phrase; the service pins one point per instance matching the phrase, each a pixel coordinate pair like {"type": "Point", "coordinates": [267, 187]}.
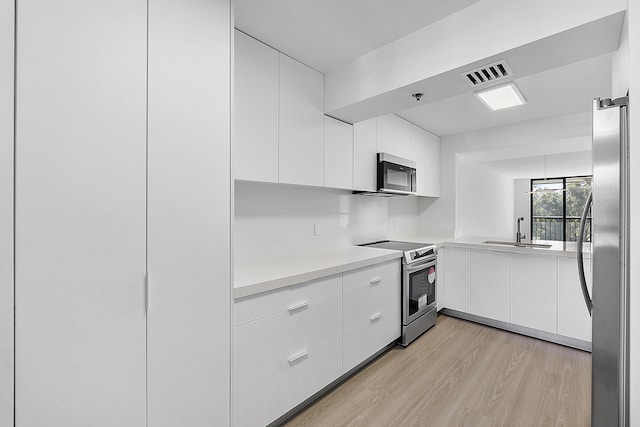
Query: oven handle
{"type": "Point", "coordinates": [421, 265]}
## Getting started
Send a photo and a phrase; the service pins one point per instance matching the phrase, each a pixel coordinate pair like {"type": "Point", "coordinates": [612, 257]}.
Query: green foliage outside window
{"type": "Point", "coordinates": [556, 206]}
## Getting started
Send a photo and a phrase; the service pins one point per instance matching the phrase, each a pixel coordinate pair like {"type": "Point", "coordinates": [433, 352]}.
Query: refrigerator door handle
{"type": "Point", "coordinates": [580, 244]}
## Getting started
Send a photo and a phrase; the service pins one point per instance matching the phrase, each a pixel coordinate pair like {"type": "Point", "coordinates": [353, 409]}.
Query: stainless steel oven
{"type": "Point", "coordinates": [419, 279]}
{"type": "Point", "coordinates": [418, 294]}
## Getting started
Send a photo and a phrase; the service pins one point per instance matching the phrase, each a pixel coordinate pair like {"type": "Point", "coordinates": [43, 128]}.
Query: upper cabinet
{"type": "Point", "coordinates": [255, 110]}
{"type": "Point", "coordinates": [282, 135]}
{"type": "Point", "coordinates": [432, 165]}
{"type": "Point", "coordinates": [394, 135]}
{"type": "Point", "coordinates": [338, 153]}
{"type": "Point", "coordinates": [301, 124]}
{"type": "Point", "coordinates": [365, 135]}
{"type": "Point", "coordinates": [279, 116]}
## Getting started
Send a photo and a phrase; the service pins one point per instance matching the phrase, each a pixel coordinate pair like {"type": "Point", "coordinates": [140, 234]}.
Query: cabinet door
{"type": "Point", "coordinates": [490, 284]}
{"type": "Point", "coordinates": [80, 200]}
{"type": "Point", "coordinates": [301, 121]}
{"type": "Point", "coordinates": [456, 270]}
{"type": "Point", "coordinates": [7, 16]}
{"type": "Point", "coordinates": [419, 155]}
{"type": "Point", "coordinates": [404, 130]}
{"type": "Point", "coordinates": [364, 155]}
{"type": "Point", "coordinates": [338, 154]}
{"type": "Point", "coordinates": [189, 205]}
{"type": "Point", "coordinates": [573, 317]}
{"type": "Point", "coordinates": [387, 131]}
{"type": "Point", "coordinates": [432, 165]}
{"type": "Point", "coordinates": [533, 291]}
{"type": "Point", "coordinates": [255, 144]}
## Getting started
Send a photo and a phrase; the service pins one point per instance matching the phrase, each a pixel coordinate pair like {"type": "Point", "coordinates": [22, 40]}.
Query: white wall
{"type": "Point", "coordinates": [6, 211]}
{"type": "Point", "coordinates": [522, 204]}
{"type": "Point", "coordinates": [276, 219]}
{"type": "Point", "coordinates": [567, 133]}
{"type": "Point", "coordinates": [485, 202]}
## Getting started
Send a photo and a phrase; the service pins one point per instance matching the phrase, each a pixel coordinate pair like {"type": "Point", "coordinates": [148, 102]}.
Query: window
{"type": "Point", "coordinates": [556, 207]}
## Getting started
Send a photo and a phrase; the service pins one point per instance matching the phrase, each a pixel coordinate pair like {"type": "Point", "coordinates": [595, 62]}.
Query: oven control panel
{"type": "Point", "coordinates": [420, 254]}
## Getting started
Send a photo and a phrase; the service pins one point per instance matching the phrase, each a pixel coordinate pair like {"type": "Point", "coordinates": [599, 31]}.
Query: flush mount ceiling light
{"type": "Point", "coordinates": [499, 97]}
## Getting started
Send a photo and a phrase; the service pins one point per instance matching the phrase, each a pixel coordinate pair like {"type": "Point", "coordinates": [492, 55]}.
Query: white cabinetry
{"type": "Point", "coordinates": [301, 124]}
{"type": "Point", "coordinates": [188, 211]}
{"type": "Point", "coordinates": [419, 155]}
{"type": "Point", "coordinates": [255, 110]}
{"type": "Point", "coordinates": [533, 291]}
{"type": "Point", "coordinates": [403, 138]}
{"type": "Point", "coordinates": [283, 357]}
{"type": "Point", "coordinates": [456, 270]}
{"type": "Point", "coordinates": [387, 134]}
{"type": "Point", "coordinates": [540, 292]}
{"type": "Point", "coordinates": [279, 116]}
{"type": "Point", "coordinates": [7, 38]}
{"type": "Point", "coordinates": [365, 137]}
{"type": "Point", "coordinates": [371, 311]}
{"type": "Point", "coordinates": [394, 136]}
{"type": "Point", "coordinates": [432, 165]}
{"type": "Point", "coordinates": [80, 210]}
{"type": "Point", "coordinates": [573, 318]}
{"type": "Point", "coordinates": [490, 284]}
{"type": "Point", "coordinates": [292, 342]}
{"type": "Point", "coordinates": [338, 153]}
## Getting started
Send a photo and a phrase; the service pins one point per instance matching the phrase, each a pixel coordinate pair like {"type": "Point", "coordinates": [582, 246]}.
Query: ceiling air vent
{"type": "Point", "coordinates": [489, 73]}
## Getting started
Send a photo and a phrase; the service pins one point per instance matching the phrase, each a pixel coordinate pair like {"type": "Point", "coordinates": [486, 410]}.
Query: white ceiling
{"type": "Point", "coordinates": [559, 91]}
{"type": "Point", "coordinates": [326, 33]}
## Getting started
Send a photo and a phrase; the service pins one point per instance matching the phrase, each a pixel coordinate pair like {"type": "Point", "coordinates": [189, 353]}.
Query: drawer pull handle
{"type": "Point", "coordinates": [298, 356]}
{"type": "Point", "coordinates": [298, 306]}
{"type": "Point", "coordinates": [375, 317]}
{"type": "Point", "coordinates": [375, 281]}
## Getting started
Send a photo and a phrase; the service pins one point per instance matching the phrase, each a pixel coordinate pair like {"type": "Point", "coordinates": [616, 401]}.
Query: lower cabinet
{"type": "Point", "coordinates": [573, 317]}
{"type": "Point", "coordinates": [457, 275]}
{"type": "Point", "coordinates": [370, 312]}
{"type": "Point", "coordinates": [533, 291]}
{"type": "Point", "coordinates": [540, 292]}
{"type": "Point", "coordinates": [292, 342]}
{"type": "Point", "coordinates": [489, 293]}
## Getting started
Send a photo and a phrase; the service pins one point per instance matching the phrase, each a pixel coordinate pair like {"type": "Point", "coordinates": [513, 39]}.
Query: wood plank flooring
{"type": "Point", "coordinates": [463, 374]}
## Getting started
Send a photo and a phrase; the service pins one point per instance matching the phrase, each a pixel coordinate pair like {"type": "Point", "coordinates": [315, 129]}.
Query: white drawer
{"type": "Point", "coordinates": [360, 303]}
{"type": "Point", "coordinates": [263, 304]}
{"type": "Point", "coordinates": [262, 344]}
{"type": "Point", "coordinates": [265, 398]}
{"type": "Point", "coordinates": [372, 274]}
{"type": "Point", "coordinates": [371, 321]}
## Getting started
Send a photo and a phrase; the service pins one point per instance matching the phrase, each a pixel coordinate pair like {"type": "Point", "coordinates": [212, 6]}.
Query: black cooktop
{"type": "Point", "coordinates": [396, 245]}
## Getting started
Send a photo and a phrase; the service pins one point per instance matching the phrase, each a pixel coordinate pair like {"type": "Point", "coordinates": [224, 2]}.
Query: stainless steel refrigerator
{"type": "Point", "coordinates": [609, 302]}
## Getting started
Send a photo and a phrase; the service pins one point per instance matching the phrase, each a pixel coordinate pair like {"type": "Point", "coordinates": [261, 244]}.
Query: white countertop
{"type": "Point", "coordinates": [277, 272]}
{"type": "Point", "coordinates": [567, 249]}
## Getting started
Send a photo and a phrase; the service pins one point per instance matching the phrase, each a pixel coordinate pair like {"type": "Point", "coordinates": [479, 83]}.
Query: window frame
{"type": "Point", "coordinates": [564, 200]}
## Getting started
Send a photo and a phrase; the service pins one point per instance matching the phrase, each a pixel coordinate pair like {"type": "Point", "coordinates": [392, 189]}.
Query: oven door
{"type": "Point", "coordinates": [419, 289]}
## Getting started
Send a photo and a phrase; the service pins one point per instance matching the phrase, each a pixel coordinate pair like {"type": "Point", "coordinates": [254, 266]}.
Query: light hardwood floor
{"type": "Point", "coordinates": [463, 374]}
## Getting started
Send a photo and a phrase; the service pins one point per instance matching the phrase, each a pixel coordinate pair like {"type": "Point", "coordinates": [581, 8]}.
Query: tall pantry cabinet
{"type": "Point", "coordinates": [122, 167]}
{"type": "Point", "coordinates": [6, 210]}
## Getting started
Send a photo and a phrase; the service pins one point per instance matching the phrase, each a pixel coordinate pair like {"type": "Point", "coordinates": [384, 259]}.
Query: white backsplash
{"type": "Point", "coordinates": [277, 219]}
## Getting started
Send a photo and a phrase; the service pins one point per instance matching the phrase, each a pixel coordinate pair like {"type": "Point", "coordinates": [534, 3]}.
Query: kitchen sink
{"type": "Point", "coordinates": [519, 245]}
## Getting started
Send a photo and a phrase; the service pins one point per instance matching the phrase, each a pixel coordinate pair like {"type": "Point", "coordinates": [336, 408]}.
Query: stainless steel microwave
{"type": "Point", "coordinates": [396, 175]}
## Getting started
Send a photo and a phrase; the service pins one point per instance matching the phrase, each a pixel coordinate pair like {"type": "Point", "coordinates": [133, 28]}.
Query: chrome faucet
{"type": "Point", "coordinates": [519, 235]}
